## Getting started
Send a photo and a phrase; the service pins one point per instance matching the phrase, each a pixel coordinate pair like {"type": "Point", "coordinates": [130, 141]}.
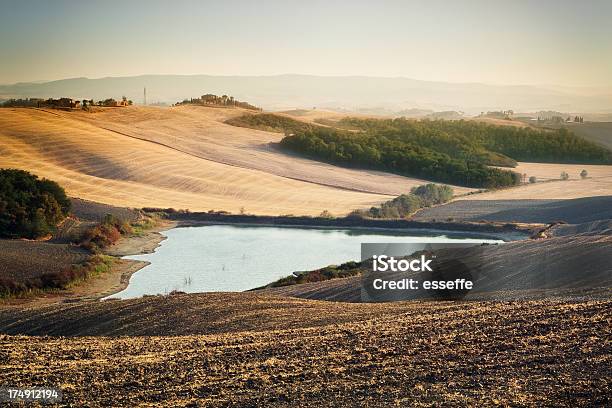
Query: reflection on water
{"type": "Point", "coordinates": [236, 258]}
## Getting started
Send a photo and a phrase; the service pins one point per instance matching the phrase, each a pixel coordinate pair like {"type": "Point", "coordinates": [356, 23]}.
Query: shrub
{"type": "Point", "coordinates": [564, 175]}
{"type": "Point", "coordinates": [533, 179]}
{"type": "Point", "coordinates": [584, 174]}
{"type": "Point", "coordinates": [404, 205]}
{"type": "Point", "coordinates": [431, 194]}
{"type": "Point", "coordinates": [105, 234]}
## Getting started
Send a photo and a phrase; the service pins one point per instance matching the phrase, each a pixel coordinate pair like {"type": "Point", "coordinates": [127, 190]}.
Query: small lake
{"type": "Point", "coordinates": [219, 258]}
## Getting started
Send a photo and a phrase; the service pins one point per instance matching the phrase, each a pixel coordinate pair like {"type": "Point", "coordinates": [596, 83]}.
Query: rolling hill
{"type": "Point", "coordinates": [187, 157]}
{"type": "Point", "coordinates": [183, 157]}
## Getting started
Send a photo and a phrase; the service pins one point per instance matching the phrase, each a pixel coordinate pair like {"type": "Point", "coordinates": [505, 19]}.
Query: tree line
{"type": "Point", "coordinates": [456, 152]}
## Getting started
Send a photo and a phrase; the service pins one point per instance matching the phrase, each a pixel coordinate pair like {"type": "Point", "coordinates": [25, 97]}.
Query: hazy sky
{"type": "Point", "coordinates": [504, 42]}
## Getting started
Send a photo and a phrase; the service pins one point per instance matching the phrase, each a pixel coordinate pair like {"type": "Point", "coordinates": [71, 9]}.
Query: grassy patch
{"type": "Point", "coordinates": [143, 225]}
{"type": "Point", "coordinates": [344, 270]}
{"type": "Point", "coordinates": [95, 266]}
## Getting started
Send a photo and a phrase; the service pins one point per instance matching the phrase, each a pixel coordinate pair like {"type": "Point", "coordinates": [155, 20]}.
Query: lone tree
{"type": "Point", "coordinates": [564, 175]}
{"type": "Point", "coordinates": [584, 174]}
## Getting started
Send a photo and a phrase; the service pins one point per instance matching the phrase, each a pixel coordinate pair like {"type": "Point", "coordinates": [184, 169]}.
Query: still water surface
{"type": "Point", "coordinates": [236, 258]}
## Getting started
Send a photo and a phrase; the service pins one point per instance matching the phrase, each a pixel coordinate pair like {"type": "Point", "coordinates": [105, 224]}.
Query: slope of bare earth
{"type": "Point", "coordinates": [598, 132]}
{"type": "Point", "coordinates": [578, 210]}
{"type": "Point", "coordinates": [515, 270]}
{"type": "Point", "coordinates": [21, 260]}
{"type": "Point", "coordinates": [254, 350]}
{"type": "Point", "coordinates": [600, 227]}
{"type": "Point", "coordinates": [95, 212]}
{"type": "Point", "coordinates": [111, 168]}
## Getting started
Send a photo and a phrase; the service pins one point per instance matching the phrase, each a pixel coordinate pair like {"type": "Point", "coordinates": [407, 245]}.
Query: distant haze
{"type": "Point", "coordinates": [565, 43]}
{"type": "Point", "coordinates": [305, 91]}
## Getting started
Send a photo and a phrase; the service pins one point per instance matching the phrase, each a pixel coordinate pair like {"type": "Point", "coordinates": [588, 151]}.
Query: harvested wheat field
{"type": "Point", "coordinates": [105, 166]}
{"type": "Point", "coordinates": [550, 187]}
{"type": "Point", "coordinates": [200, 131]}
{"type": "Point", "coordinates": [293, 352]}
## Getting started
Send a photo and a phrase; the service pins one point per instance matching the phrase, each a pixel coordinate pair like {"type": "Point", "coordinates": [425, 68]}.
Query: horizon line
{"type": "Point", "coordinates": [45, 81]}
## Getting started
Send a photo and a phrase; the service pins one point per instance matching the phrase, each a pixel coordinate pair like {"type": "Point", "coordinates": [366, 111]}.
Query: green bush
{"type": "Point", "coordinates": [406, 204]}
{"type": "Point", "coordinates": [30, 207]}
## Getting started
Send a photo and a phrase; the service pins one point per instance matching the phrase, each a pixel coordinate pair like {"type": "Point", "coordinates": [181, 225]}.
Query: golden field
{"type": "Point", "coordinates": [187, 158]}
{"type": "Point", "coordinates": [549, 185]}
{"type": "Point", "coordinates": [183, 157]}
{"type": "Point", "coordinates": [92, 162]}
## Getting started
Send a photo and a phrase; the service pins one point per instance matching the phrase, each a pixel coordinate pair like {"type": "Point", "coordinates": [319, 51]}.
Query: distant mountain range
{"type": "Point", "coordinates": [342, 92]}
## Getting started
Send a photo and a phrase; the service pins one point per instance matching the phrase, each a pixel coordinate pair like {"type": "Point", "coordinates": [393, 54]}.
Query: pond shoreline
{"type": "Point", "coordinates": [504, 231]}
{"type": "Point", "coordinates": [252, 256]}
{"type": "Point", "coordinates": [147, 243]}
{"type": "Point", "coordinates": [152, 239]}
{"type": "Point", "coordinates": [501, 235]}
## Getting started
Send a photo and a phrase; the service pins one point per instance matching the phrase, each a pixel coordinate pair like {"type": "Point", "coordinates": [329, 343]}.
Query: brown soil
{"type": "Point", "coordinates": [574, 211]}
{"type": "Point", "coordinates": [253, 350]}
{"type": "Point", "coordinates": [528, 269]}
{"type": "Point", "coordinates": [93, 288]}
{"type": "Point", "coordinates": [23, 259]}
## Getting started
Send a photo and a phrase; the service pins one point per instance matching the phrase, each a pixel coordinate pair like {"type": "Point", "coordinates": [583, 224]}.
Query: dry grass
{"type": "Point", "coordinates": [76, 150]}
{"type": "Point", "coordinates": [314, 115]}
{"type": "Point", "coordinates": [500, 122]}
{"type": "Point", "coordinates": [549, 186]}
{"type": "Point", "coordinates": [187, 157]}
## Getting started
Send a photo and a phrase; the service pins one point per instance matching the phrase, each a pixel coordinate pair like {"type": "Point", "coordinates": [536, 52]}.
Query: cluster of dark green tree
{"type": "Point", "coordinates": [270, 123]}
{"type": "Point", "coordinates": [29, 207]}
{"type": "Point", "coordinates": [19, 103]}
{"type": "Point", "coordinates": [406, 204]}
{"type": "Point", "coordinates": [456, 152]}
